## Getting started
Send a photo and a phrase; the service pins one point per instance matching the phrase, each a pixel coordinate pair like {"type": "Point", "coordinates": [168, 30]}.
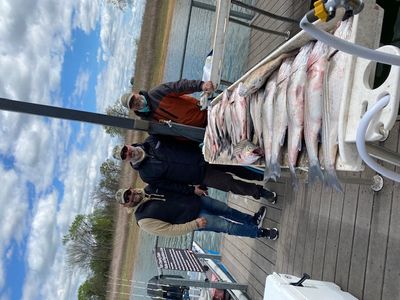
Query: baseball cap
{"type": "Point", "coordinates": [119, 195]}
{"type": "Point", "coordinates": [125, 99]}
{"type": "Point", "coordinates": [117, 152]}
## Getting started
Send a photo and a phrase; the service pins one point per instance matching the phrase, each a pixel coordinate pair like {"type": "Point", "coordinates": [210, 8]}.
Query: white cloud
{"type": "Point", "coordinates": [14, 208]}
{"type": "Point", "coordinates": [81, 83]}
{"type": "Point", "coordinates": [42, 245]}
{"type": "Point", "coordinates": [33, 38]}
{"type": "Point", "coordinates": [86, 16]}
{"type": "Point", "coordinates": [42, 236]}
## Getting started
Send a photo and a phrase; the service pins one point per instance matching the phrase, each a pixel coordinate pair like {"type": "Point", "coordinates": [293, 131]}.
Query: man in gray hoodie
{"type": "Point", "coordinates": [166, 213]}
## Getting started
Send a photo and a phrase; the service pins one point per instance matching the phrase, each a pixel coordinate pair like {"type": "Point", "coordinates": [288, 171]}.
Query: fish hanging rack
{"type": "Point", "coordinates": [357, 95]}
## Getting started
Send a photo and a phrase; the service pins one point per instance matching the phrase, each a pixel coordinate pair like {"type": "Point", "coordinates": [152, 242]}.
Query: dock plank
{"type": "Point", "coordinates": [322, 230]}
{"type": "Point", "coordinates": [248, 269]}
{"type": "Point", "coordinates": [283, 229]}
{"type": "Point", "coordinates": [286, 239]}
{"type": "Point", "coordinates": [243, 276]}
{"type": "Point", "coordinates": [301, 230]}
{"type": "Point", "coordinates": [298, 198]}
{"type": "Point", "coordinates": [332, 238]}
{"type": "Point", "coordinates": [312, 227]}
{"type": "Point", "coordinates": [391, 286]}
{"type": "Point", "coordinates": [361, 239]}
{"type": "Point", "coordinates": [248, 247]}
{"type": "Point", "coordinates": [346, 234]}
{"type": "Point", "coordinates": [380, 229]}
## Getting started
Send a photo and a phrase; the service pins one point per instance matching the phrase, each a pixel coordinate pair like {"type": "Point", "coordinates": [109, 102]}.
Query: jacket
{"type": "Point", "coordinates": [170, 165]}
{"type": "Point", "coordinates": [167, 213]}
{"type": "Point", "coordinates": [169, 101]}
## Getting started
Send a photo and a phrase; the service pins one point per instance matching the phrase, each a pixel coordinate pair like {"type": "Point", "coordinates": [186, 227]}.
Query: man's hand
{"type": "Point", "coordinates": [199, 191]}
{"type": "Point", "coordinates": [207, 87]}
{"type": "Point", "coordinates": [201, 222]}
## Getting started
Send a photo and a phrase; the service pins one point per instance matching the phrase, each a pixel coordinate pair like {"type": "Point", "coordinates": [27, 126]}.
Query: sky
{"type": "Point", "coordinates": [77, 54]}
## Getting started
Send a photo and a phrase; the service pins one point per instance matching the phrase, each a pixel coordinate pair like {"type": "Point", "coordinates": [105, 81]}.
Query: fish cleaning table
{"type": "Point", "coordinates": [356, 96]}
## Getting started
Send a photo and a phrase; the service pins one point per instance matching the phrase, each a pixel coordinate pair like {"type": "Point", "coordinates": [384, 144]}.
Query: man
{"type": "Point", "coordinates": [169, 101]}
{"type": "Point", "coordinates": [181, 168]}
{"type": "Point", "coordinates": [166, 213]}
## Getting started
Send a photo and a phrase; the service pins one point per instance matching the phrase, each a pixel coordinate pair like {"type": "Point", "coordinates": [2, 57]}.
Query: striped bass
{"type": "Point", "coordinates": [259, 76]}
{"type": "Point", "coordinates": [256, 102]}
{"type": "Point", "coordinates": [268, 122]}
{"type": "Point", "coordinates": [280, 116]}
{"type": "Point", "coordinates": [247, 153]}
{"type": "Point", "coordinates": [332, 97]}
{"type": "Point", "coordinates": [316, 66]}
{"type": "Point", "coordinates": [295, 107]}
{"type": "Point", "coordinates": [239, 113]}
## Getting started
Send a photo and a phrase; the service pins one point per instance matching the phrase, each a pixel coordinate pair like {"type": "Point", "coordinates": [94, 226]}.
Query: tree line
{"type": "Point", "coordinates": [89, 240]}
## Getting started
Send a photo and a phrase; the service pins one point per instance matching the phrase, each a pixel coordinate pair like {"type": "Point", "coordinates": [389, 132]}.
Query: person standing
{"type": "Point", "coordinates": [181, 168]}
{"type": "Point", "coordinates": [167, 213]}
{"type": "Point", "coordinates": [170, 102]}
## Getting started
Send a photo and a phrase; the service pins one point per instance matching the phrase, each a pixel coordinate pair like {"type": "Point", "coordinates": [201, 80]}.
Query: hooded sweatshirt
{"type": "Point", "coordinates": [167, 213]}
{"type": "Point", "coordinates": [169, 101]}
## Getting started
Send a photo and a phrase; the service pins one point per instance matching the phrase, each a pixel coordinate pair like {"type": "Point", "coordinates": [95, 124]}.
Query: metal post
{"type": "Point", "coordinates": [210, 256]}
{"type": "Point", "coordinates": [203, 284]}
{"type": "Point", "coordinates": [186, 38]}
{"type": "Point", "coordinates": [233, 13]}
{"type": "Point", "coordinates": [265, 13]}
{"type": "Point", "coordinates": [169, 128]}
{"type": "Point", "coordinates": [284, 34]}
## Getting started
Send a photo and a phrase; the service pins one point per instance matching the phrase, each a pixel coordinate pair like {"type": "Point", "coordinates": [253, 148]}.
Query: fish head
{"type": "Point", "coordinates": [247, 153]}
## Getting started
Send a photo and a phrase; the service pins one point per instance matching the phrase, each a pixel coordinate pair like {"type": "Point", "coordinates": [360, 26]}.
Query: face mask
{"type": "Point", "coordinates": [145, 107]}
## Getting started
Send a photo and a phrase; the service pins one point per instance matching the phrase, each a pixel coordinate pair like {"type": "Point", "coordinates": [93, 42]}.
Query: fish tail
{"type": "Point", "coordinates": [267, 173]}
{"type": "Point", "coordinates": [332, 180]}
{"type": "Point", "coordinates": [294, 178]}
{"type": "Point", "coordinates": [314, 172]}
{"type": "Point", "coordinates": [276, 169]}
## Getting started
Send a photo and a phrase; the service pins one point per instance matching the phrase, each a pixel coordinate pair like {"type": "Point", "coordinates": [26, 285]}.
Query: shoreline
{"type": "Point", "coordinates": [149, 71]}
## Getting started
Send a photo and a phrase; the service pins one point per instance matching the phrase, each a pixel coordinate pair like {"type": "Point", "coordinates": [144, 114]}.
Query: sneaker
{"type": "Point", "coordinates": [266, 194]}
{"type": "Point", "coordinates": [274, 198]}
{"type": "Point", "coordinates": [259, 216]}
{"type": "Point", "coordinates": [273, 234]}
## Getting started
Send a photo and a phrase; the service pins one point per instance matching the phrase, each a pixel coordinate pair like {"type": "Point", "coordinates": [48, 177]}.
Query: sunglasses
{"type": "Point", "coordinates": [127, 194]}
{"type": "Point", "coordinates": [131, 102]}
{"type": "Point", "coordinates": [124, 152]}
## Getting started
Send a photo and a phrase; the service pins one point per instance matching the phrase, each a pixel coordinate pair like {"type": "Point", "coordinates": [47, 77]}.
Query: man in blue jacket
{"type": "Point", "coordinates": [181, 168]}
{"type": "Point", "coordinates": [167, 213]}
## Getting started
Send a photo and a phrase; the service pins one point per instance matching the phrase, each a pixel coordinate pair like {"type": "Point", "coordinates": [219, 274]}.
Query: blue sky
{"type": "Point", "coordinates": [77, 54]}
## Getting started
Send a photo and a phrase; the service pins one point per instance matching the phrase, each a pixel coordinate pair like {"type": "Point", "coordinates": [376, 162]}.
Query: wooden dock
{"type": "Point", "coordinates": [350, 238]}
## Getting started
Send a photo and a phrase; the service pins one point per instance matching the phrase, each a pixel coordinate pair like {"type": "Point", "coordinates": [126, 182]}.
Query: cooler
{"type": "Point", "coordinates": [278, 287]}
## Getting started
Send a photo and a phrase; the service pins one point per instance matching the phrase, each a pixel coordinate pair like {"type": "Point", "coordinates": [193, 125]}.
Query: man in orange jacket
{"type": "Point", "coordinates": [170, 101]}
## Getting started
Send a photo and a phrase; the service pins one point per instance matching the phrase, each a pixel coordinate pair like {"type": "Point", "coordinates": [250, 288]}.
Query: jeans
{"type": "Point", "coordinates": [219, 218]}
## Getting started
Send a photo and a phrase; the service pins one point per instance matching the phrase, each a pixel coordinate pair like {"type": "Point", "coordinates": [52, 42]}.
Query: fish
{"type": "Point", "coordinates": [268, 122]}
{"type": "Point", "coordinates": [316, 67]}
{"type": "Point", "coordinates": [256, 102]}
{"type": "Point", "coordinates": [331, 106]}
{"type": "Point", "coordinates": [223, 119]}
{"type": "Point", "coordinates": [212, 135]}
{"type": "Point", "coordinates": [246, 153]}
{"type": "Point", "coordinates": [240, 115]}
{"type": "Point", "coordinates": [280, 116]}
{"type": "Point", "coordinates": [295, 107]}
{"type": "Point", "coordinates": [259, 76]}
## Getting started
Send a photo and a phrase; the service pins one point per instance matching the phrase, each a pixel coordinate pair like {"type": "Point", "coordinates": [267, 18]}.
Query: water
{"type": "Point", "coordinates": [198, 46]}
